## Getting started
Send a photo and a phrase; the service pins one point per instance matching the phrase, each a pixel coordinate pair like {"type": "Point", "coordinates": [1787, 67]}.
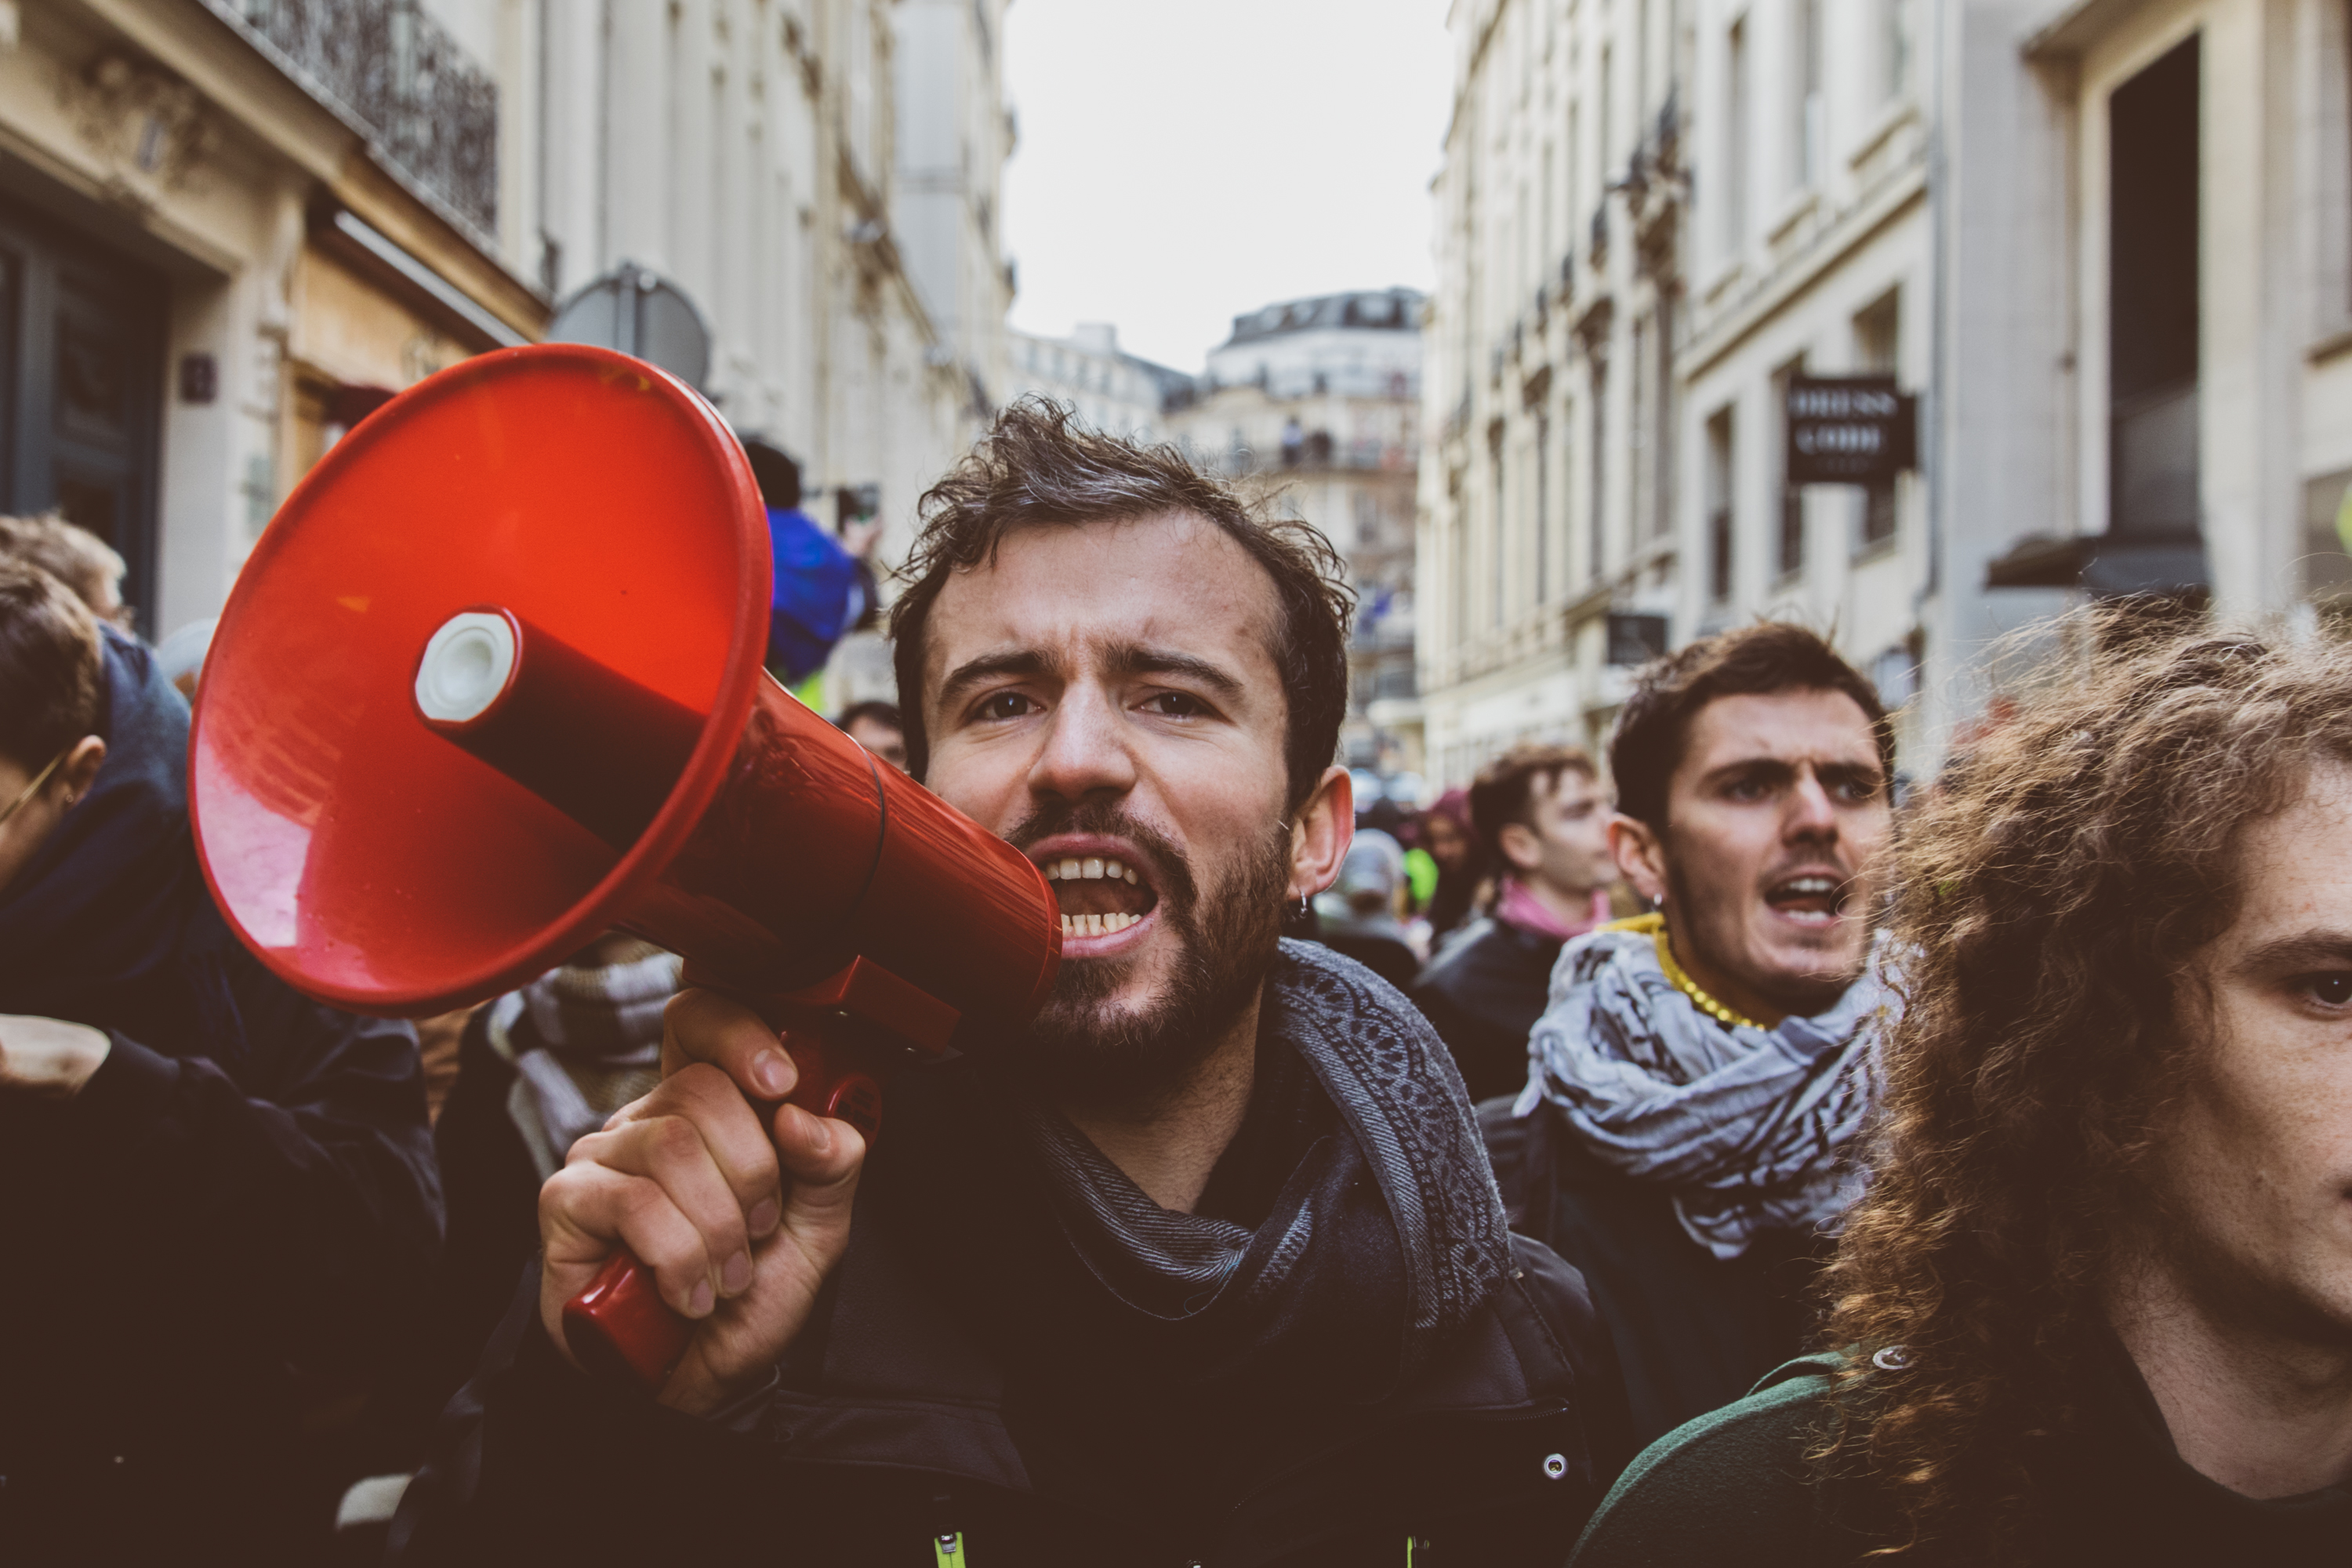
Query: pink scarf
{"type": "Point", "coordinates": [1521, 908]}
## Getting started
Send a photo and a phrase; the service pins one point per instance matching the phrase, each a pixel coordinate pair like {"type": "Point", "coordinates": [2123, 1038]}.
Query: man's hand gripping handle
{"type": "Point", "coordinates": [685, 1243]}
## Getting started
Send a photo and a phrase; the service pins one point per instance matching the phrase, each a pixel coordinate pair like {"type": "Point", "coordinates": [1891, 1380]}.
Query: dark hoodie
{"type": "Point", "coordinates": [211, 1243]}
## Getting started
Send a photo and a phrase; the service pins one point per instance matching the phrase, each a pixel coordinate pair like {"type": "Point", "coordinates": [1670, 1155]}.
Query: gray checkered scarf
{"type": "Point", "coordinates": [1751, 1128]}
{"type": "Point", "coordinates": [1405, 1202]}
{"type": "Point", "coordinates": [584, 1039]}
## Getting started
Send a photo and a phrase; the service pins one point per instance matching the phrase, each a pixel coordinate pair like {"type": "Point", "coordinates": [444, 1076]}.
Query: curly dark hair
{"type": "Point", "coordinates": [1037, 468]}
{"type": "Point", "coordinates": [2051, 892]}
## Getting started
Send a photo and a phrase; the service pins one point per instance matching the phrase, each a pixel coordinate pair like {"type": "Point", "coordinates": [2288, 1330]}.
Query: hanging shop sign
{"type": "Point", "coordinates": [1850, 430]}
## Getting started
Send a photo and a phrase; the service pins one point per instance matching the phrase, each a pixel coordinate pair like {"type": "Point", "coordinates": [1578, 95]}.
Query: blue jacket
{"type": "Point", "coordinates": [816, 598]}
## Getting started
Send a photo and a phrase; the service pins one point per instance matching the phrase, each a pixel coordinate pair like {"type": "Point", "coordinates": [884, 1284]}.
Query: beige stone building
{"type": "Point", "coordinates": [203, 246]}
{"type": "Point", "coordinates": [2106, 244]}
{"type": "Point", "coordinates": [1113, 391]}
{"type": "Point", "coordinates": [1316, 403]}
{"type": "Point", "coordinates": [1549, 559]}
{"type": "Point", "coordinates": [229, 228]}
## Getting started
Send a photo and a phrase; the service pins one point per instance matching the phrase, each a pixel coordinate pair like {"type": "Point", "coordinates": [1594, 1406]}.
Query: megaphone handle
{"type": "Point", "coordinates": [619, 1327]}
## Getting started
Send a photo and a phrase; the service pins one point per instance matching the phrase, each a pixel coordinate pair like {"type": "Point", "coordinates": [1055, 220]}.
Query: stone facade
{"type": "Point", "coordinates": [229, 228]}
{"type": "Point", "coordinates": [1549, 474]}
{"type": "Point", "coordinates": [1313, 404]}
{"type": "Point", "coordinates": [2104, 243]}
{"type": "Point", "coordinates": [1114, 392]}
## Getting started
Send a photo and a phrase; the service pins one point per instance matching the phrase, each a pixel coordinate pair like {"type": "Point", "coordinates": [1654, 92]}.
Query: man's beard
{"type": "Point", "coordinates": [1085, 1044]}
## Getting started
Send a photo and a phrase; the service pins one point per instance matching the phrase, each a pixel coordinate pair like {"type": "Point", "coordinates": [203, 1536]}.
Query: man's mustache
{"type": "Point", "coordinates": [1171, 872]}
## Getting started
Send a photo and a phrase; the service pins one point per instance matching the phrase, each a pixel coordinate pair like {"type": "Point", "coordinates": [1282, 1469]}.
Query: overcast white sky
{"type": "Point", "coordinates": [1181, 163]}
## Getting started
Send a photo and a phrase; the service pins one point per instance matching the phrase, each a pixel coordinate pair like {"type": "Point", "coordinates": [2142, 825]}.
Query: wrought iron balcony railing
{"type": "Point", "coordinates": [430, 109]}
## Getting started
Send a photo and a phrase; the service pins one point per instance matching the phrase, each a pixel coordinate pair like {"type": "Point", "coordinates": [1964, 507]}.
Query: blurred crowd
{"type": "Point", "coordinates": [2014, 1140]}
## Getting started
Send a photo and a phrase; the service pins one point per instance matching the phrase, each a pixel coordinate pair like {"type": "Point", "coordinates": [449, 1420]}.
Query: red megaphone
{"type": "Point", "coordinates": [490, 684]}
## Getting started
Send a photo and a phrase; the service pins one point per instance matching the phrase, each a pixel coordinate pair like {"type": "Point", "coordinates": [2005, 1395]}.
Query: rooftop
{"type": "Point", "coordinates": [1390, 309]}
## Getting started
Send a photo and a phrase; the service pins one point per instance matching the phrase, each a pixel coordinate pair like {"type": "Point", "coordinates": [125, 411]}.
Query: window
{"type": "Point", "coordinates": [1502, 532]}
{"type": "Point", "coordinates": [1638, 433]}
{"type": "Point", "coordinates": [1719, 456]}
{"type": "Point", "coordinates": [1550, 247]}
{"type": "Point", "coordinates": [1542, 458]}
{"type": "Point", "coordinates": [1893, 48]}
{"type": "Point", "coordinates": [1598, 525]}
{"type": "Point", "coordinates": [1791, 554]}
{"type": "Point", "coordinates": [1806, 106]}
{"type": "Point", "coordinates": [2153, 294]}
{"type": "Point", "coordinates": [1608, 128]}
{"type": "Point", "coordinates": [1575, 145]}
{"type": "Point", "coordinates": [1878, 351]}
{"type": "Point", "coordinates": [1461, 575]}
{"type": "Point", "coordinates": [1736, 143]}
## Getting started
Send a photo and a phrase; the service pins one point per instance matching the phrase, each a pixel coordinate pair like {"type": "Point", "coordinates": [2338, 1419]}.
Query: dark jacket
{"type": "Point", "coordinates": [490, 1184]}
{"type": "Point", "coordinates": [1692, 1332]}
{"type": "Point", "coordinates": [966, 1377]}
{"type": "Point", "coordinates": [1482, 992]}
{"type": "Point", "coordinates": [224, 1230]}
{"type": "Point", "coordinates": [1733, 1487]}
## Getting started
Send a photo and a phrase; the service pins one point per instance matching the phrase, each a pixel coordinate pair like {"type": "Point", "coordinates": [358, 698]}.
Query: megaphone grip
{"type": "Point", "coordinates": [619, 1328]}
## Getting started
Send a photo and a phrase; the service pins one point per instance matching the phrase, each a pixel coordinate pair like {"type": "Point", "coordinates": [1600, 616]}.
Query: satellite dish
{"type": "Point", "coordinates": [636, 311]}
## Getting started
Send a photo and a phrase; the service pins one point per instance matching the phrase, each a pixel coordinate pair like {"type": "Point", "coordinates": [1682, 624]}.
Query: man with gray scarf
{"type": "Point", "coordinates": [1700, 1075]}
{"type": "Point", "coordinates": [1206, 1265]}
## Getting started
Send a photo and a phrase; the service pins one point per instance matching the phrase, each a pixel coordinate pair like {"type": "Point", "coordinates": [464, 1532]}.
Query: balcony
{"type": "Point", "coordinates": [430, 110]}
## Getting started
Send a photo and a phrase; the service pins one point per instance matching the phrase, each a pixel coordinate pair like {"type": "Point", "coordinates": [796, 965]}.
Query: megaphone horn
{"type": "Point", "coordinates": [490, 685]}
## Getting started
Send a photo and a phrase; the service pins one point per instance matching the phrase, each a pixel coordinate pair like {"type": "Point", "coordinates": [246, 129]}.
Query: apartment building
{"type": "Point", "coordinates": [954, 134]}
{"type": "Point", "coordinates": [1313, 406]}
{"type": "Point", "coordinates": [1111, 390]}
{"type": "Point", "coordinates": [1811, 255]}
{"type": "Point", "coordinates": [1549, 557]}
{"type": "Point", "coordinates": [2102, 248]}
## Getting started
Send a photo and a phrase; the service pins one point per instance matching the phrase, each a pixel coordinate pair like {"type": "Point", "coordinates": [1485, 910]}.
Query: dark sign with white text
{"type": "Point", "coordinates": [1849, 431]}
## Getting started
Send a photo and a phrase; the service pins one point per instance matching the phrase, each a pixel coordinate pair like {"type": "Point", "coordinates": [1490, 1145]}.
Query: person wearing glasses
{"type": "Point", "coordinates": [217, 1198]}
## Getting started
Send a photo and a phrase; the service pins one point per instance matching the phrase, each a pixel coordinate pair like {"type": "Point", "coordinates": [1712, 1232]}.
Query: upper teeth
{"type": "Point", "coordinates": [1809, 885]}
{"type": "Point", "coordinates": [1089, 870]}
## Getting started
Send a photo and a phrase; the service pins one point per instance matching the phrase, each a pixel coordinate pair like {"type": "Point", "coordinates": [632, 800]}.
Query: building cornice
{"type": "Point", "coordinates": [1848, 233]}
{"type": "Point", "coordinates": [2075, 28]}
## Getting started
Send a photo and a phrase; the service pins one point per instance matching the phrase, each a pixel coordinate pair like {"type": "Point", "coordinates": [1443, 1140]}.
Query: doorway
{"type": "Point", "coordinates": [81, 350]}
{"type": "Point", "coordinates": [2154, 199]}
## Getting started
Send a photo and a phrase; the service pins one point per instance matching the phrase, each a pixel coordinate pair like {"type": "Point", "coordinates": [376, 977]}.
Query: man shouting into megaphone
{"type": "Point", "coordinates": [1206, 1268]}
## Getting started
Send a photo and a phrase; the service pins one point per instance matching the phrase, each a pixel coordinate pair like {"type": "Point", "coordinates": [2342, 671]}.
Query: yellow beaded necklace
{"type": "Point", "coordinates": [1654, 924]}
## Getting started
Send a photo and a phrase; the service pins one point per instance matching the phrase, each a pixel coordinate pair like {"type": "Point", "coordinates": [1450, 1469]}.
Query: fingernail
{"type": "Point", "coordinates": [821, 1138]}
{"type": "Point", "coordinates": [698, 1306]}
{"type": "Point", "coordinates": [764, 1215]}
{"type": "Point", "coordinates": [739, 1273]}
{"type": "Point", "coordinates": [768, 1072]}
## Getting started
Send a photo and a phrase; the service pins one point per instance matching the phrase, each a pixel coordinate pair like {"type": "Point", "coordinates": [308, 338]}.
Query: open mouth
{"type": "Point", "coordinates": [1810, 897]}
{"type": "Point", "coordinates": [1101, 895]}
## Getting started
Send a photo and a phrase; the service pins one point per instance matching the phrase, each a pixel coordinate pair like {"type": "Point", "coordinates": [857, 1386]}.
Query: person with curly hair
{"type": "Point", "coordinates": [2096, 1304]}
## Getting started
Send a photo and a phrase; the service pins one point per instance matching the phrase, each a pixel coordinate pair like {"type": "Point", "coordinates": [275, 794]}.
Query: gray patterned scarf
{"type": "Point", "coordinates": [1397, 1215]}
{"type": "Point", "coordinates": [584, 1039]}
{"type": "Point", "coordinates": [1750, 1128]}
